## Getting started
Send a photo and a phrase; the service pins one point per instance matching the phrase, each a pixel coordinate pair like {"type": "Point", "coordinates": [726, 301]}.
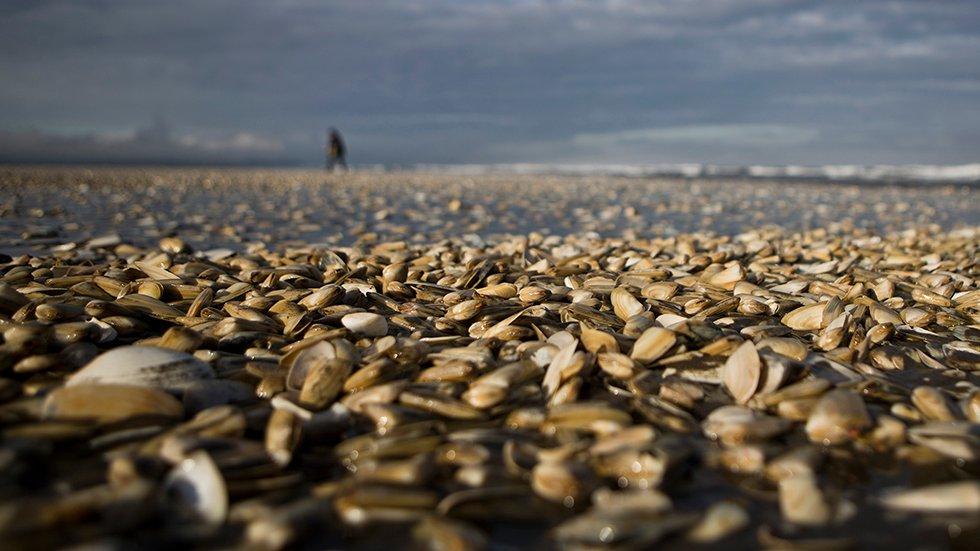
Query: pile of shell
{"type": "Point", "coordinates": [768, 389]}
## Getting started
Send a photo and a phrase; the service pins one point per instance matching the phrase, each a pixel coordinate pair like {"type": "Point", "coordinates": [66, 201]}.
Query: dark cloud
{"type": "Point", "coordinates": [444, 81]}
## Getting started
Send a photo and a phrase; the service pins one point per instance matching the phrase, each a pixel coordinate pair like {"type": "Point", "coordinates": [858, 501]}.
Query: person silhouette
{"type": "Point", "coordinates": [336, 150]}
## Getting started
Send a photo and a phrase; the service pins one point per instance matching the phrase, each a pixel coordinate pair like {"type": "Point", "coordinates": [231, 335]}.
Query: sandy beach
{"type": "Point", "coordinates": [226, 358]}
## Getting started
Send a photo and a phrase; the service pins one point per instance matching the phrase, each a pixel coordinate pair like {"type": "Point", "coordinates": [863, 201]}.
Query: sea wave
{"type": "Point", "coordinates": [939, 174]}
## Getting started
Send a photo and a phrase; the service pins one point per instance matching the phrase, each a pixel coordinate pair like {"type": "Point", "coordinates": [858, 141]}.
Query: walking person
{"type": "Point", "coordinates": [336, 150]}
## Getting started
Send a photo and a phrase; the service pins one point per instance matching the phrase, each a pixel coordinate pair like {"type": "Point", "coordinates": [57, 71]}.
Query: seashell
{"type": "Point", "coordinates": [884, 314]}
{"type": "Point", "coordinates": [832, 335]}
{"type": "Point", "coordinates": [805, 318]}
{"type": "Point", "coordinates": [559, 366]}
{"type": "Point", "coordinates": [733, 425]}
{"type": "Point", "coordinates": [282, 436]}
{"type": "Point", "coordinates": [742, 372]}
{"type": "Point", "coordinates": [957, 439]}
{"type": "Point", "coordinates": [838, 417]}
{"type": "Point", "coordinates": [801, 460]}
{"type": "Point", "coordinates": [109, 403]}
{"type": "Point", "coordinates": [720, 520]}
{"type": "Point", "coordinates": [11, 299]}
{"type": "Point", "coordinates": [653, 344]}
{"type": "Point", "coordinates": [729, 277]}
{"type": "Point", "coordinates": [669, 320]}
{"type": "Point", "coordinates": [146, 366]}
{"type": "Point", "coordinates": [299, 361]}
{"type": "Point", "coordinates": [950, 497]}
{"type": "Point", "coordinates": [436, 533]}
{"type": "Point", "coordinates": [195, 485]}
{"type": "Point", "coordinates": [636, 325]}
{"type": "Point", "coordinates": [801, 501]}
{"type": "Point", "coordinates": [564, 482]}
{"type": "Point", "coordinates": [596, 341]}
{"type": "Point", "coordinates": [366, 323]}
{"type": "Point", "coordinates": [181, 339]}
{"type": "Point", "coordinates": [617, 365]}
{"type": "Point", "coordinates": [779, 370]}
{"type": "Point", "coordinates": [365, 504]}
{"type": "Point", "coordinates": [661, 290]}
{"type": "Point", "coordinates": [971, 406]}
{"type": "Point", "coordinates": [323, 382]}
{"type": "Point", "coordinates": [464, 310]}
{"type": "Point", "coordinates": [624, 304]}
{"type": "Point", "coordinates": [618, 530]}
{"type": "Point", "coordinates": [933, 404]}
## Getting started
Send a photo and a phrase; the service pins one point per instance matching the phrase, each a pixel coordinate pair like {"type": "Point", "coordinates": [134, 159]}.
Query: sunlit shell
{"type": "Point", "coordinates": [147, 366]}
{"type": "Point", "coordinates": [742, 372]}
{"type": "Point", "coordinates": [839, 416]}
{"type": "Point", "coordinates": [366, 323]}
{"type": "Point", "coordinates": [624, 303]}
{"type": "Point", "coordinates": [653, 344]}
{"type": "Point", "coordinates": [805, 318]}
{"type": "Point", "coordinates": [108, 403]}
{"type": "Point", "coordinates": [950, 497]}
{"type": "Point", "coordinates": [802, 502]}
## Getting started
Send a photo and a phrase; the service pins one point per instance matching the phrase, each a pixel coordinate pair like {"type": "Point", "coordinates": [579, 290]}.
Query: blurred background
{"type": "Point", "coordinates": [409, 82]}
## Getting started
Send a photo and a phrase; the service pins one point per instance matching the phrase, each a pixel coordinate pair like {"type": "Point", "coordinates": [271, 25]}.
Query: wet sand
{"type": "Point", "coordinates": [238, 208]}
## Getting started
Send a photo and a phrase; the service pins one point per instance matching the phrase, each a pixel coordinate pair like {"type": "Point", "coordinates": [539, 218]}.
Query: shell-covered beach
{"type": "Point", "coordinates": [228, 358]}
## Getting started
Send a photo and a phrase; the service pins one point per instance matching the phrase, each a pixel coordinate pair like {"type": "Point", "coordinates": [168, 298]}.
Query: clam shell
{"type": "Point", "coordinates": [597, 341]}
{"type": "Point", "coordinates": [805, 318]}
{"type": "Point", "coordinates": [801, 501]}
{"type": "Point", "coordinates": [951, 497]}
{"type": "Point", "coordinates": [837, 417]}
{"type": "Point", "coordinates": [196, 485]}
{"type": "Point", "coordinates": [957, 439]}
{"type": "Point", "coordinates": [109, 403]}
{"type": "Point", "coordinates": [652, 344]}
{"type": "Point", "coordinates": [742, 372]}
{"type": "Point", "coordinates": [727, 278]}
{"type": "Point", "coordinates": [146, 366]}
{"type": "Point", "coordinates": [624, 304]}
{"type": "Point", "coordinates": [366, 323]}
{"type": "Point", "coordinates": [720, 520]}
{"type": "Point", "coordinates": [933, 404]}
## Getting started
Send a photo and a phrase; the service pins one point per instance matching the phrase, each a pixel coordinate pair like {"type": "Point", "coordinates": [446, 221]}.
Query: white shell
{"type": "Point", "coordinates": [366, 323]}
{"type": "Point", "coordinates": [197, 483]}
{"type": "Point", "coordinates": [742, 372]}
{"type": "Point", "coordinates": [147, 366]}
{"type": "Point", "coordinates": [951, 497]}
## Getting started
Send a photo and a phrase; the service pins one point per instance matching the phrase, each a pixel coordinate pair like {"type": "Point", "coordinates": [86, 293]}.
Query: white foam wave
{"type": "Point", "coordinates": [940, 174]}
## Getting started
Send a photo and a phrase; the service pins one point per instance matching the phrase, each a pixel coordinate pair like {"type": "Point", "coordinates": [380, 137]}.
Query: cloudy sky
{"type": "Point", "coordinates": [470, 81]}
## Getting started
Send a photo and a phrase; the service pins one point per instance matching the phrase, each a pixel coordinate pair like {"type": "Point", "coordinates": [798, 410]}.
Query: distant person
{"type": "Point", "coordinates": [336, 150]}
